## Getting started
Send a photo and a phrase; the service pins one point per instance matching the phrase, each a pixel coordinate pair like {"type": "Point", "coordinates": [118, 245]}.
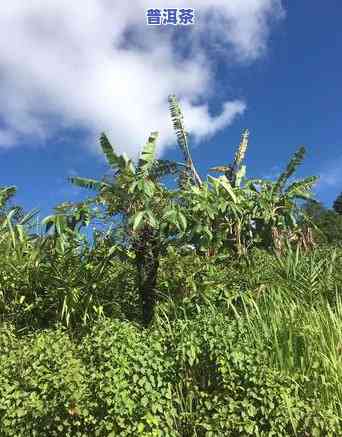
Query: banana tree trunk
{"type": "Point", "coordinates": [147, 264]}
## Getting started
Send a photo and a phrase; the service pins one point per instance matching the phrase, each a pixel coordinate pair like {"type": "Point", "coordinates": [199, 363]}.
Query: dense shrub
{"type": "Point", "coordinates": [130, 376]}
{"type": "Point", "coordinates": [41, 381]}
{"type": "Point", "coordinates": [70, 288]}
{"type": "Point", "coordinates": [198, 377]}
{"type": "Point", "coordinates": [226, 386]}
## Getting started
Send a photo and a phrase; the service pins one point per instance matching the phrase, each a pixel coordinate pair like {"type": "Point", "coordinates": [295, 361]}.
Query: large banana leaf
{"type": "Point", "coordinates": [292, 166]}
{"type": "Point", "coordinates": [91, 184]}
{"type": "Point", "coordinates": [147, 156]}
{"type": "Point", "coordinates": [182, 137]}
{"type": "Point", "coordinates": [300, 188]}
{"type": "Point", "coordinates": [115, 161]}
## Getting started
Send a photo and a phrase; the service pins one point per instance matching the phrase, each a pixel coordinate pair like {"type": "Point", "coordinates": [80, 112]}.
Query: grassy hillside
{"type": "Point", "coordinates": [211, 310]}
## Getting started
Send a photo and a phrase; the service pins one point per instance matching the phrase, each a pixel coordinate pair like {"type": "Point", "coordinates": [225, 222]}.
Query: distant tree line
{"type": "Point", "coordinates": [328, 221]}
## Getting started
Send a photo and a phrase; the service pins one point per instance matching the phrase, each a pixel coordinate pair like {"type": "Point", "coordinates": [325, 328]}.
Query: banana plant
{"type": "Point", "coordinates": [190, 172]}
{"type": "Point", "coordinates": [275, 206]}
{"type": "Point", "coordinates": [236, 171]}
{"type": "Point", "coordinates": [149, 213]}
{"type": "Point", "coordinates": [62, 230]}
{"type": "Point", "coordinates": [223, 213]}
{"type": "Point", "coordinates": [6, 194]}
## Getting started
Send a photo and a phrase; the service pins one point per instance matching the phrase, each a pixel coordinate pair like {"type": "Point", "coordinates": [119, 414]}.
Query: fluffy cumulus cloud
{"type": "Point", "coordinates": [97, 66]}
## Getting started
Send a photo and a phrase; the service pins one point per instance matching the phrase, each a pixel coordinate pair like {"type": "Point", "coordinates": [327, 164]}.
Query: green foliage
{"type": "Point", "coordinates": [150, 215]}
{"type": "Point", "coordinates": [226, 388]}
{"type": "Point", "coordinates": [236, 172]}
{"type": "Point", "coordinates": [291, 167]}
{"type": "Point", "coordinates": [41, 383]}
{"type": "Point", "coordinates": [129, 379]}
{"type": "Point", "coordinates": [182, 137]}
{"type": "Point", "coordinates": [337, 206]}
{"type": "Point", "coordinates": [327, 222]}
{"type": "Point", "coordinates": [243, 323]}
{"type": "Point", "coordinates": [41, 288]}
{"type": "Point", "coordinates": [5, 194]}
{"type": "Point", "coordinates": [201, 377]}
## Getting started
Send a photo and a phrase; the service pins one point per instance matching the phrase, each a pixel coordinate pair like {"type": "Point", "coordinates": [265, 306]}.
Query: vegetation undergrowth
{"type": "Point", "coordinates": [210, 310]}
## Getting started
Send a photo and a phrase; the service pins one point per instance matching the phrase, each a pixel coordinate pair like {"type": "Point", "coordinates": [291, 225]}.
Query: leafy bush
{"type": "Point", "coordinates": [129, 380]}
{"type": "Point", "coordinates": [226, 387]}
{"type": "Point", "coordinates": [71, 288]}
{"type": "Point", "coordinates": [184, 378]}
{"type": "Point", "coordinates": [41, 382]}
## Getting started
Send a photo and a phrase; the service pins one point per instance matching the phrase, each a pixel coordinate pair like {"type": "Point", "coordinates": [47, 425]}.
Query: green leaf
{"type": "Point", "coordinates": [6, 193]}
{"type": "Point", "coordinates": [91, 184]}
{"type": "Point", "coordinates": [170, 216]}
{"type": "Point", "coordinates": [290, 169]}
{"type": "Point", "coordinates": [148, 188]}
{"type": "Point", "coordinates": [239, 175]}
{"type": "Point", "coordinates": [147, 155]}
{"type": "Point", "coordinates": [182, 221]}
{"type": "Point", "coordinates": [114, 160]}
{"type": "Point", "coordinates": [137, 219]}
{"type": "Point", "coordinates": [152, 220]}
{"type": "Point", "coordinates": [302, 186]}
{"type": "Point", "coordinates": [182, 136]}
{"type": "Point", "coordinates": [226, 185]}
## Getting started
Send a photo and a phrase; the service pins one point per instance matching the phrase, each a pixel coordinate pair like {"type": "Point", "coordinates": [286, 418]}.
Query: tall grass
{"type": "Point", "coordinates": [299, 318]}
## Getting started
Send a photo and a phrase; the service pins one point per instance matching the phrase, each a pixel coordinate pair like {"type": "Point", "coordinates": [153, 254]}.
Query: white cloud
{"type": "Point", "coordinates": [330, 177]}
{"type": "Point", "coordinates": [96, 65]}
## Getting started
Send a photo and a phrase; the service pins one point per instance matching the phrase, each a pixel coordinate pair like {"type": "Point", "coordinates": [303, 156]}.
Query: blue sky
{"type": "Point", "coordinates": [274, 68]}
